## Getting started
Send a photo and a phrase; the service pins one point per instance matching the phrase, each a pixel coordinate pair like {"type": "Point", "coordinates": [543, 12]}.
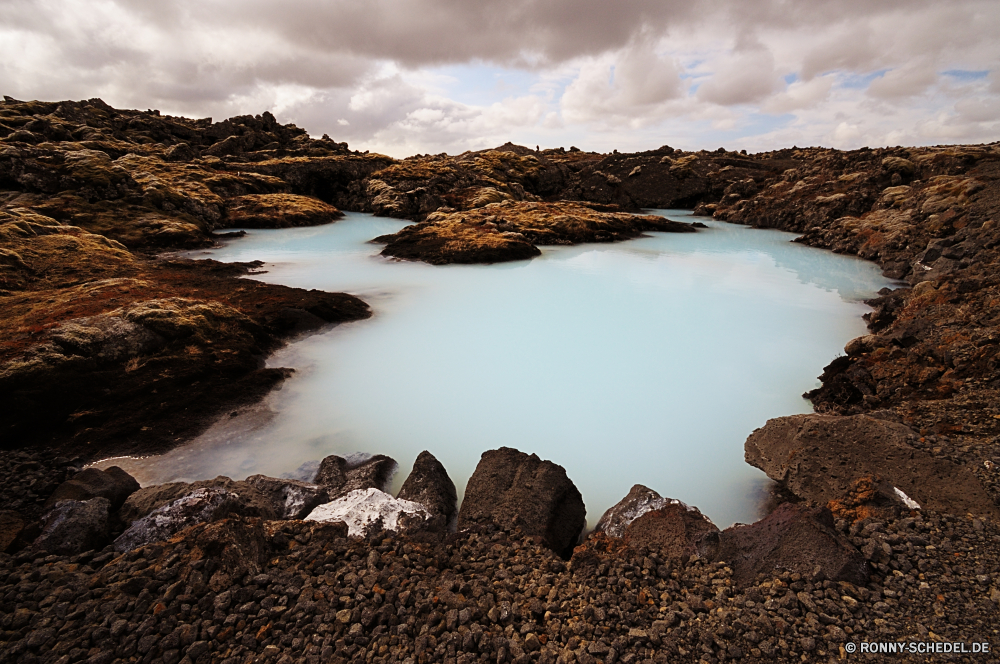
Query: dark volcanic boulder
{"type": "Point", "coordinates": [639, 500]}
{"type": "Point", "coordinates": [512, 489]}
{"type": "Point", "coordinates": [114, 484]}
{"type": "Point", "coordinates": [821, 457]}
{"type": "Point", "coordinates": [75, 526]}
{"type": "Point", "coordinates": [252, 503]}
{"type": "Point", "coordinates": [332, 473]}
{"type": "Point", "coordinates": [676, 530]}
{"type": "Point", "coordinates": [339, 477]}
{"type": "Point", "coordinates": [429, 485]}
{"type": "Point", "coordinates": [289, 499]}
{"type": "Point", "coordinates": [793, 538]}
{"type": "Point", "coordinates": [200, 506]}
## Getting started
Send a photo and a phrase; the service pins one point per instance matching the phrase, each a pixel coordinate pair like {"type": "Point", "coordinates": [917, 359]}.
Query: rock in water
{"type": "Point", "coordinates": [74, 526]}
{"type": "Point", "coordinates": [639, 500]}
{"type": "Point", "coordinates": [429, 485]}
{"type": "Point", "coordinates": [289, 499]}
{"type": "Point", "coordinates": [676, 530]}
{"type": "Point", "coordinates": [793, 538]}
{"type": "Point", "coordinates": [332, 473]}
{"type": "Point", "coordinates": [369, 511]}
{"type": "Point", "coordinates": [512, 489]}
{"type": "Point", "coordinates": [339, 477]}
{"type": "Point", "coordinates": [114, 484]}
{"type": "Point", "coordinates": [821, 457]}
{"type": "Point", "coordinates": [197, 507]}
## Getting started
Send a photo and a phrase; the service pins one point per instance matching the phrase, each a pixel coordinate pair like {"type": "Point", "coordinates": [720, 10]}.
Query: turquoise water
{"type": "Point", "coordinates": [645, 361]}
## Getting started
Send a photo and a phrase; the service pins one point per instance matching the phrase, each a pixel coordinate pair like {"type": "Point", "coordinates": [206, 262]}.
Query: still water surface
{"type": "Point", "coordinates": [647, 361]}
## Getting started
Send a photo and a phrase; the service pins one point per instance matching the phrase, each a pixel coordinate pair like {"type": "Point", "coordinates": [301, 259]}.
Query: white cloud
{"type": "Point", "coordinates": [741, 77]}
{"type": "Point", "coordinates": [800, 95]}
{"type": "Point", "coordinates": [589, 72]}
{"type": "Point", "coordinates": [902, 82]}
{"type": "Point", "coordinates": [629, 85]}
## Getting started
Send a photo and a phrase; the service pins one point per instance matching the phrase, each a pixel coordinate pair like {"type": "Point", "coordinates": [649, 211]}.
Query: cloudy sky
{"type": "Point", "coordinates": [415, 76]}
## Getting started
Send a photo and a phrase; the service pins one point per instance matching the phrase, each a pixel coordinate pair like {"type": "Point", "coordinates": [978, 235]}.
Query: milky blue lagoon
{"type": "Point", "coordinates": [647, 361]}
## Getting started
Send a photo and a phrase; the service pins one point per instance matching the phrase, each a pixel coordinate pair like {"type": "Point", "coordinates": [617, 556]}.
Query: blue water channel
{"type": "Point", "coordinates": [647, 361]}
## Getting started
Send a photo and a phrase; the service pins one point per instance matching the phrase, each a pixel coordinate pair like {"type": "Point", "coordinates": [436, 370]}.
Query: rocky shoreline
{"type": "Point", "coordinates": [229, 572]}
{"type": "Point", "coordinates": [889, 530]}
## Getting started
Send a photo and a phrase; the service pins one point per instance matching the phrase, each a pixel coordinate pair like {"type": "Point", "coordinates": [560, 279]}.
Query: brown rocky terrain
{"type": "Point", "coordinates": [108, 345]}
{"type": "Point", "coordinates": [231, 587]}
{"type": "Point", "coordinates": [106, 348]}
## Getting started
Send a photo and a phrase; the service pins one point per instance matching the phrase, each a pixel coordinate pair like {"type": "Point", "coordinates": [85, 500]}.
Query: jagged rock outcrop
{"type": "Point", "coordinates": [793, 538]}
{"type": "Point", "coordinates": [429, 485]}
{"type": "Point", "coordinates": [820, 458]}
{"type": "Point", "coordinates": [512, 489]}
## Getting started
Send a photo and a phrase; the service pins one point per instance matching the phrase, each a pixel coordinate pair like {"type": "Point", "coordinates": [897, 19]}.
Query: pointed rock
{"type": "Point", "coordinates": [639, 500]}
{"type": "Point", "coordinates": [677, 530]}
{"type": "Point", "coordinates": [429, 485]}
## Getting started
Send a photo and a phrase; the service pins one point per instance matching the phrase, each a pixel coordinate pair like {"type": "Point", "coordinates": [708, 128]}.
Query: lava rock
{"type": "Point", "coordinates": [428, 484]}
{"type": "Point", "coordinates": [820, 457]}
{"type": "Point", "coordinates": [793, 538]}
{"type": "Point", "coordinates": [289, 499]}
{"type": "Point", "coordinates": [640, 499]}
{"type": "Point", "coordinates": [339, 477]}
{"type": "Point", "coordinates": [74, 526]}
{"type": "Point", "coordinates": [676, 530]}
{"type": "Point", "coordinates": [238, 544]}
{"type": "Point", "coordinates": [202, 505]}
{"type": "Point", "coordinates": [113, 483]}
{"type": "Point", "coordinates": [512, 489]}
{"type": "Point", "coordinates": [260, 498]}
